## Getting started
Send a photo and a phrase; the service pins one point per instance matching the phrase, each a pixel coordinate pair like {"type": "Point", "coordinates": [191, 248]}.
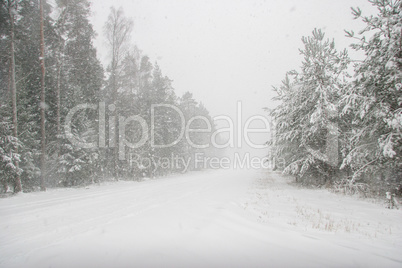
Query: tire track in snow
{"type": "Point", "coordinates": [34, 232]}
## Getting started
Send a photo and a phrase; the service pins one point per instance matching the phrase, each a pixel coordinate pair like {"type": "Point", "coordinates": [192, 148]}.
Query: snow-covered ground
{"type": "Point", "coordinates": [202, 219]}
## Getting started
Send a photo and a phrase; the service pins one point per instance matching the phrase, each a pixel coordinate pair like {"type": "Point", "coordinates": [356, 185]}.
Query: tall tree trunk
{"type": "Point", "coordinates": [18, 187]}
{"type": "Point", "coordinates": [116, 114]}
{"type": "Point", "coordinates": [60, 53]}
{"type": "Point", "coordinates": [115, 98]}
{"type": "Point", "coordinates": [58, 103]}
{"type": "Point", "coordinates": [42, 103]}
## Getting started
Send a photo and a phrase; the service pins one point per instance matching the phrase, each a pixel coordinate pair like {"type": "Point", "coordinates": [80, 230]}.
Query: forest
{"type": "Point", "coordinates": [49, 68]}
{"type": "Point", "coordinates": [339, 120]}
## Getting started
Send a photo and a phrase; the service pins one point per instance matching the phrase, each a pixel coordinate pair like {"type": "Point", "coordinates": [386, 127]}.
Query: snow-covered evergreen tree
{"type": "Point", "coordinates": [307, 117]}
{"type": "Point", "coordinates": [374, 100]}
{"type": "Point", "coordinates": [81, 78]}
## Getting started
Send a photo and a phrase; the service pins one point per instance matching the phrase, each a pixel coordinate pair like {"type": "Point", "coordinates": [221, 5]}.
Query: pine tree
{"type": "Point", "coordinates": [29, 75]}
{"type": "Point", "coordinates": [306, 119]}
{"type": "Point", "coordinates": [374, 100]}
{"type": "Point", "coordinates": [12, 7]}
{"type": "Point", "coordinates": [80, 80]}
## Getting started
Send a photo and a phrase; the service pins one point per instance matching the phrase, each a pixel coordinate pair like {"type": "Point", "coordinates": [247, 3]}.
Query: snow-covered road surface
{"type": "Point", "coordinates": [203, 219]}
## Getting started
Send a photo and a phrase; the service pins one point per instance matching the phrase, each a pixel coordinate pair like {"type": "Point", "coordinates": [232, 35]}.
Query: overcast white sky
{"type": "Point", "coordinates": [228, 50]}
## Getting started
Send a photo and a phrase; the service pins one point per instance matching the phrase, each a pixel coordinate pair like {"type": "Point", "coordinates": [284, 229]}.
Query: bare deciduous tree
{"type": "Point", "coordinates": [117, 30]}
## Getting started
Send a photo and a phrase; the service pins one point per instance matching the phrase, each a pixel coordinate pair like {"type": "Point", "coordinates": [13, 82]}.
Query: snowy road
{"type": "Point", "coordinates": [209, 219]}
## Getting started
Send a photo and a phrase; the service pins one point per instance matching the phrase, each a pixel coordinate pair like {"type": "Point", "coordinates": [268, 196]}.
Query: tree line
{"type": "Point", "coordinates": [339, 120]}
{"type": "Point", "coordinates": [48, 66]}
